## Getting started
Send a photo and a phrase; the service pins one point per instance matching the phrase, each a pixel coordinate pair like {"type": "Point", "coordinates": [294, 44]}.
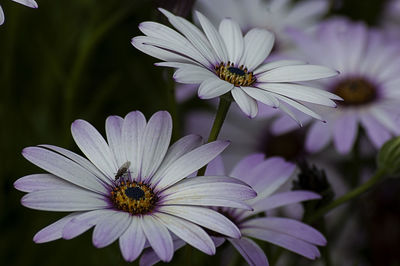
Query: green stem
{"type": "Point", "coordinates": [348, 196]}
{"type": "Point", "coordinates": [222, 111]}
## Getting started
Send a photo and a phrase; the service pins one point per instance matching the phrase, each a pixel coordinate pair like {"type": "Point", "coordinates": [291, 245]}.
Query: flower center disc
{"type": "Point", "coordinates": [355, 91]}
{"type": "Point", "coordinates": [132, 197]}
{"type": "Point", "coordinates": [238, 76]}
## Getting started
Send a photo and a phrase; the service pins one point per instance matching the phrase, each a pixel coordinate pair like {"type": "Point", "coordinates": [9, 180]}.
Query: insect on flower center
{"type": "Point", "coordinates": [238, 76]}
{"type": "Point", "coordinates": [355, 91]}
{"type": "Point", "coordinates": [135, 198]}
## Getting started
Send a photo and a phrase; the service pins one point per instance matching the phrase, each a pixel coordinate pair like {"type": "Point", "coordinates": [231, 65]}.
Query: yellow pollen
{"type": "Point", "coordinates": [238, 76]}
{"type": "Point", "coordinates": [133, 197]}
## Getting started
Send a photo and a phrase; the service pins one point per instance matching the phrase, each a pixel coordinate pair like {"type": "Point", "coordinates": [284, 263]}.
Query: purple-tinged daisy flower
{"type": "Point", "coordinates": [29, 3]}
{"type": "Point", "coordinates": [275, 15]}
{"type": "Point", "coordinates": [223, 61]}
{"type": "Point", "coordinates": [266, 176]}
{"type": "Point", "coordinates": [369, 84]}
{"type": "Point", "coordinates": [133, 187]}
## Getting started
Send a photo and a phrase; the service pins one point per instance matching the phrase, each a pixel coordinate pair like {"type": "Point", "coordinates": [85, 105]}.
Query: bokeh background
{"type": "Point", "coordinates": [73, 59]}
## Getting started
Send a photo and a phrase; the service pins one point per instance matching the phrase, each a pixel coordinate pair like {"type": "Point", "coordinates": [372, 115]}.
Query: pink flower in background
{"type": "Point", "coordinates": [29, 3]}
{"type": "Point", "coordinates": [266, 176]}
{"type": "Point", "coordinates": [224, 61]}
{"type": "Point", "coordinates": [133, 187]}
{"type": "Point", "coordinates": [369, 84]}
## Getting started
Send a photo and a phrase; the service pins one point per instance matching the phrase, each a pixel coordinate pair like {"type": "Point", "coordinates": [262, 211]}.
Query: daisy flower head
{"type": "Point", "coordinates": [266, 176]}
{"type": "Point", "coordinates": [369, 84]}
{"type": "Point", "coordinates": [275, 15]}
{"type": "Point", "coordinates": [224, 61]}
{"type": "Point", "coordinates": [133, 187]}
{"type": "Point", "coordinates": [29, 3]}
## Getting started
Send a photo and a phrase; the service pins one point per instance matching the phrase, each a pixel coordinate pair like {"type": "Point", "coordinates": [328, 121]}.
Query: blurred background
{"type": "Point", "coordinates": [73, 59]}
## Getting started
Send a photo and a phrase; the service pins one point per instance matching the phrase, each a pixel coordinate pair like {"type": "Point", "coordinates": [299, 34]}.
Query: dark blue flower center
{"type": "Point", "coordinates": [236, 71]}
{"type": "Point", "coordinates": [238, 76]}
{"type": "Point", "coordinates": [134, 193]}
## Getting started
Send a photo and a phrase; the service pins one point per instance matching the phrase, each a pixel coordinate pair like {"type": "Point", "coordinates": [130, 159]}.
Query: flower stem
{"type": "Point", "coordinates": [222, 111]}
{"type": "Point", "coordinates": [348, 196]}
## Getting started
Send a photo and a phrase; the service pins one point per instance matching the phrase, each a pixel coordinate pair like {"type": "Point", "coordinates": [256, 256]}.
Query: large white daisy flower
{"type": "Point", "coordinates": [29, 3]}
{"type": "Point", "coordinates": [226, 62]}
{"type": "Point", "coordinates": [133, 187]}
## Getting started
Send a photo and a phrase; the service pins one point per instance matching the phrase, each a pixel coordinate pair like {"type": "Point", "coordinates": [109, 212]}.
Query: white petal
{"type": "Point", "coordinates": [160, 31]}
{"type": "Point", "coordinates": [190, 162]}
{"type": "Point", "coordinates": [84, 222]}
{"type": "Point", "coordinates": [192, 74]}
{"type": "Point", "coordinates": [214, 37]}
{"type": "Point", "coordinates": [318, 137]}
{"type": "Point", "coordinates": [299, 106]}
{"type": "Point", "coordinates": [296, 73]}
{"type": "Point", "coordinates": [298, 92]}
{"type": "Point", "coordinates": [258, 44]}
{"type": "Point", "coordinates": [1, 16]}
{"type": "Point", "coordinates": [290, 227]}
{"type": "Point", "coordinates": [250, 251]}
{"type": "Point", "coordinates": [216, 189]}
{"type": "Point", "coordinates": [213, 87]}
{"type": "Point", "coordinates": [211, 201]}
{"type": "Point", "coordinates": [194, 35]}
{"type": "Point", "coordinates": [160, 53]}
{"type": "Point", "coordinates": [386, 120]}
{"type": "Point", "coordinates": [189, 232]}
{"type": "Point", "coordinates": [176, 51]}
{"type": "Point", "coordinates": [158, 236]}
{"type": "Point", "coordinates": [132, 240]}
{"type": "Point", "coordinates": [275, 64]}
{"type": "Point", "coordinates": [53, 231]}
{"type": "Point", "coordinates": [288, 242]}
{"type": "Point", "coordinates": [261, 95]}
{"type": "Point", "coordinates": [29, 3]}
{"type": "Point", "coordinates": [204, 217]}
{"type": "Point", "coordinates": [85, 163]}
{"type": "Point", "coordinates": [178, 149]}
{"type": "Point", "coordinates": [36, 182]}
{"type": "Point", "coordinates": [132, 136]}
{"type": "Point", "coordinates": [233, 38]}
{"type": "Point", "coordinates": [345, 132]}
{"type": "Point", "coordinates": [110, 229]}
{"type": "Point", "coordinates": [65, 200]}
{"type": "Point", "coordinates": [149, 257]}
{"type": "Point", "coordinates": [247, 104]}
{"type": "Point", "coordinates": [283, 199]}
{"type": "Point", "coordinates": [156, 140]}
{"type": "Point", "coordinates": [93, 145]}
{"type": "Point", "coordinates": [114, 138]}
{"type": "Point", "coordinates": [64, 168]}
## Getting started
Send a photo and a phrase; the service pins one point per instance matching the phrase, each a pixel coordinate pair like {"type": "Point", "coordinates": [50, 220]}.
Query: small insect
{"type": "Point", "coordinates": [122, 170]}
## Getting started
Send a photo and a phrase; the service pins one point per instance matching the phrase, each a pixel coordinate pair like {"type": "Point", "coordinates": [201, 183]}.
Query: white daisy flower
{"type": "Point", "coordinates": [225, 61]}
{"type": "Point", "coordinates": [134, 187]}
{"type": "Point", "coordinates": [29, 3]}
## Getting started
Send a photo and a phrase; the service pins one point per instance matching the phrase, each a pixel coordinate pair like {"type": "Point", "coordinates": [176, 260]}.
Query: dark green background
{"type": "Point", "coordinates": [68, 60]}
